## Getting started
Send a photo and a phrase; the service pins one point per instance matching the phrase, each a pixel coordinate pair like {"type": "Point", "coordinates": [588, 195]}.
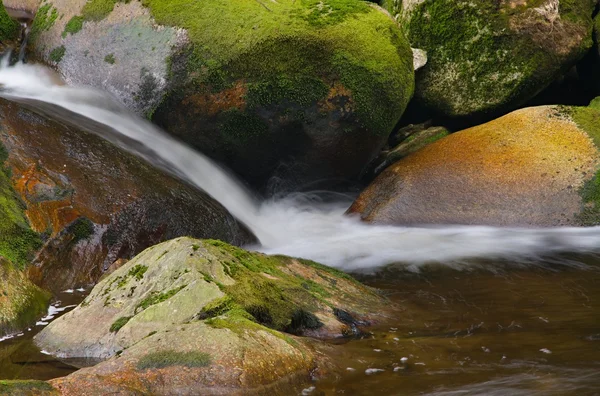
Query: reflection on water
{"type": "Point", "coordinates": [21, 359]}
{"type": "Point", "coordinates": [512, 332]}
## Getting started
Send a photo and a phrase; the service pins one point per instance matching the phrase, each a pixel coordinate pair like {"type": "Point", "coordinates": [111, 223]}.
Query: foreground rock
{"type": "Point", "coordinates": [315, 85]}
{"type": "Point", "coordinates": [203, 317]}
{"type": "Point", "coordinates": [489, 57]}
{"type": "Point", "coordinates": [93, 203]}
{"type": "Point", "coordinates": [533, 167]}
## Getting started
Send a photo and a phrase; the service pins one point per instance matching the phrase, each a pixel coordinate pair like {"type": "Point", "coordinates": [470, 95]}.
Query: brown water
{"type": "Point", "coordinates": [21, 359]}
{"type": "Point", "coordinates": [516, 332]}
{"type": "Point", "coordinates": [513, 332]}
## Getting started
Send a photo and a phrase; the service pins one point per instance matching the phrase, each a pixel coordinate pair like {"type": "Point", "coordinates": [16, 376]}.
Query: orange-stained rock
{"type": "Point", "coordinates": [528, 168]}
{"type": "Point", "coordinates": [94, 203]}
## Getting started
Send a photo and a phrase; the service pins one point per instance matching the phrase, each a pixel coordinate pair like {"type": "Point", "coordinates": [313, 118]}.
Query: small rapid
{"type": "Point", "coordinates": [299, 225]}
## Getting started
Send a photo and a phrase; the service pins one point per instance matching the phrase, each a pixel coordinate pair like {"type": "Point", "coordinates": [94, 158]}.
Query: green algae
{"type": "Point", "coordinates": [57, 54]}
{"type": "Point", "coordinates": [157, 298]}
{"type": "Point", "coordinates": [169, 358]}
{"type": "Point", "coordinates": [119, 323]}
{"type": "Point", "coordinates": [25, 387]}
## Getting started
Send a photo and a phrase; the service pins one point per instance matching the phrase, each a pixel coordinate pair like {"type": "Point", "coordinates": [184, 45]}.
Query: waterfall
{"type": "Point", "coordinates": [298, 225]}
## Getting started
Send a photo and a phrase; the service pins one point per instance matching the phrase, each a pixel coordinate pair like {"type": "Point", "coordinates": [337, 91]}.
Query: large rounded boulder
{"type": "Point", "coordinates": [533, 167]}
{"type": "Point", "coordinates": [487, 57]}
{"type": "Point", "coordinates": [81, 203]}
{"type": "Point", "coordinates": [202, 317]}
{"type": "Point", "coordinates": [303, 89]}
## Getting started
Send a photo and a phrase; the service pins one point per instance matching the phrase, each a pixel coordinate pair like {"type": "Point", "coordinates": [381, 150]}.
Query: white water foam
{"type": "Point", "coordinates": [294, 226]}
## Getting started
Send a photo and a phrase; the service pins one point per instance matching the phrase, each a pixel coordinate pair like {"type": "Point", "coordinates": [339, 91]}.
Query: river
{"type": "Point", "coordinates": [486, 310]}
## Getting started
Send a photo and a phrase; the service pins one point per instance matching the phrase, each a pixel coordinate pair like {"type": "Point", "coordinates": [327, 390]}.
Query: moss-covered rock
{"type": "Point", "coordinates": [227, 315]}
{"type": "Point", "coordinates": [533, 167]}
{"type": "Point", "coordinates": [9, 28]}
{"type": "Point", "coordinates": [486, 57]}
{"type": "Point", "coordinates": [315, 84]}
{"type": "Point", "coordinates": [92, 202]}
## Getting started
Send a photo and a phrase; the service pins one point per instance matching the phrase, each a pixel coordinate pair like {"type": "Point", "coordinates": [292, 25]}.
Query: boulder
{"type": "Point", "coordinates": [203, 317]}
{"type": "Point", "coordinates": [93, 203]}
{"type": "Point", "coordinates": [487, 57]}
{"type": "Point", "coordinates": [305, 90]}
{"type": "Point", "coordinates": [533, 167]}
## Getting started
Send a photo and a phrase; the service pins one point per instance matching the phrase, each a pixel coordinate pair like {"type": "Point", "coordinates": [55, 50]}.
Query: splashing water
{"type": "Point", "coordinates": [294, 226]}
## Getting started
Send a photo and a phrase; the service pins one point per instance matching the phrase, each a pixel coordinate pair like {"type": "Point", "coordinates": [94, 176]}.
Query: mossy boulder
{"type": "Point", "coordinates": [9, 28]}
{"type": "Point", "coordinates": [90, 202]}
{"type": "Point", "coordinates": [202, 315]}
{"type": "Point", "coordinates": [302, 89]}
{"type": "Point", "coordinates": [487, 57]}
{"type": "Point", "coordinates": [533, 167]}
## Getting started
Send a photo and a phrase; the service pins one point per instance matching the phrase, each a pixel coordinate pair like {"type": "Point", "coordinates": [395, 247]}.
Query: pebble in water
{"type": "Point", "coordinates": [373, 371]}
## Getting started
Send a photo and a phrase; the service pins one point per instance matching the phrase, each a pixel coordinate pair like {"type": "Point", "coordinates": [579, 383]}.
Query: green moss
{"type": "Point", "coordinates": [156, 298]}
{"type": "Point", "coordinates": [93, 10]}
{"type": "Point", "coordinates": [478, 61]}
{"type": "Point", "coordinates": [81, 229]}
{"type": "Point", "coordinates": [44, 19]}
{"type": "Point", "coordinates": [264, 293]}
{"type": "Point", "coordinates": [57, 54]}
{"type": "Point", "coordinates": [588, 119]}
{"type": "Point", "coordinates": [9, 28]}
{"type": "Point", "coordinates": [162, 359]}
{"type": "Point", "coordinates": [138, 271]}
{"type": "Point", "coordinates": [119, 323]}
{"type": "Point", "coordinates": [25, 387]}
{"type": "Point", "coordinates": [17, 240]}
{"type": "Point", "coordinates": [74, 26]}
{"type": "Point", "coordinates": [110, 59]}
{"type": "Point", "coordinates": [295, 50]}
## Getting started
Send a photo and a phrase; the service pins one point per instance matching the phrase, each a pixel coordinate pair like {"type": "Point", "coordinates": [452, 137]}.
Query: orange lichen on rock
{"type": "Point", "coordinates": [211, 104]}
{"type": "Point", "coordinates": [522, 169]}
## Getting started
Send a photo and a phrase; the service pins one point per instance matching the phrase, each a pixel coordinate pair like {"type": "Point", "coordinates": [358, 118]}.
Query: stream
{"type": "Point", "coordinates": [485, 310]}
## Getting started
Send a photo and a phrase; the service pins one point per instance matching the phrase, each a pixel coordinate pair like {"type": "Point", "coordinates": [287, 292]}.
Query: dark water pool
{"type": "Point", "coordinates": [511, 331]}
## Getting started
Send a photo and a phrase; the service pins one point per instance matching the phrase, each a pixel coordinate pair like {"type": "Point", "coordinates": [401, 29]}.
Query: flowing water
{"type": "Point", "coordinates": [473, 294]}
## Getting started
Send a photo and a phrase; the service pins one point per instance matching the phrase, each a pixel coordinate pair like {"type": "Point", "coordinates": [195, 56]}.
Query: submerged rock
{"type": "Point", "coordinates": [533, 167]}
{"type": "Point", "coordinates": [94, 203]}
{"type": "Point", "coordinates": [490, 56]}
{"type": "Point", "coordinates": [203, 317]}
{"type": "Point", "coordinates": [304, 89]}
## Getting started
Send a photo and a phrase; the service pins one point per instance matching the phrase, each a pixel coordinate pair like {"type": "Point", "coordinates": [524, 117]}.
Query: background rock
{"type": "Point", "coordinates": [533, 167]}
{"type": "Point", "coordinates": [490, 57]}
{"type": "Point", "coordinates": [95, 203]}
{"type": "Point", "coordinates": [302, 90]}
